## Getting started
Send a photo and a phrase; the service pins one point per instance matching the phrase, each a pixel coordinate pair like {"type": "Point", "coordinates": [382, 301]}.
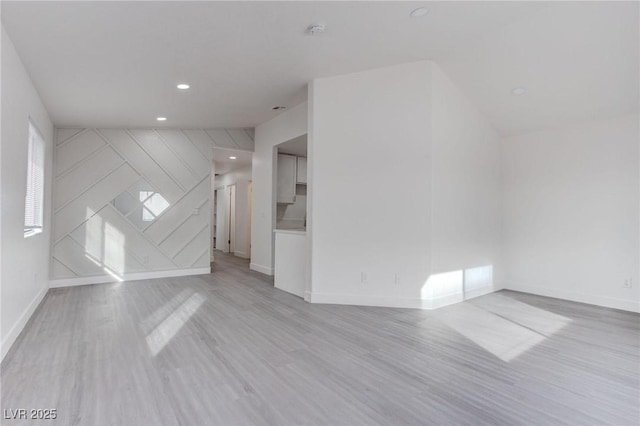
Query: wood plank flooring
{"type": "Point", "coordinates": [229, 349]}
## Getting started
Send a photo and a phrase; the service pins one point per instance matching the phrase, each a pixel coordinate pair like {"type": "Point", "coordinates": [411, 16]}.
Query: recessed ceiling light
{"type": "Point", "coordinates": [161, 118]}
{"type": "Point", "coordinates": [519, 91]}
{"type": "Point", "coordinates": [232, 158]}
{"type": "Point", "coordinates": [421, 11]}
{"type": "Point", "coordinates": [182, 86]}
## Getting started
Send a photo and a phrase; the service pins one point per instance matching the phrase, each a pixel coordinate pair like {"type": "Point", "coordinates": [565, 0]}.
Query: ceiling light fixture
{"type": "Point", "coordinates": [421, 11]}
{"type": "Point", "coordinates": [161, 118]}
{"type": "Point", "coordinates": [315, 29]}
{"type": "Point", "coordinates": [232, 158]}
{"type": "Point", "coordinates": [519, 91]}
{"type": "Point", "coordinates": [183, 86]}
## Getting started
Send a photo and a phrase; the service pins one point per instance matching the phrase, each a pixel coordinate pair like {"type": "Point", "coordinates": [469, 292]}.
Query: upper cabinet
{"type": "Point", "coordinates": [292, 171]}
{"type": "Point", "coordinates": [286, 190]}
{"type": "Point", "coordinates": [301, 174]}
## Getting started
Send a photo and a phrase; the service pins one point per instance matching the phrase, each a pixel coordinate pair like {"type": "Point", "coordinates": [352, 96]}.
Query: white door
{"type": "Point", "coordinates": [249, 202]}
{"type": "Point", "coordinates": [214, 221]}
{"type": "Point", "coordinates": [232, 219]}
{"type": "Point", "coordinates": [221, 220]}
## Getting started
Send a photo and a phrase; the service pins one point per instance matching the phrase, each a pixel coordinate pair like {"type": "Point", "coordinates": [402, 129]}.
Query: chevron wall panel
{"type": "Point", "coordinates": [134, 200]}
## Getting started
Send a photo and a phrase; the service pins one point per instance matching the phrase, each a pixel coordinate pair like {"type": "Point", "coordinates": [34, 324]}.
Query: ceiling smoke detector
{"type": "Point", "coordinates": [315, 29]}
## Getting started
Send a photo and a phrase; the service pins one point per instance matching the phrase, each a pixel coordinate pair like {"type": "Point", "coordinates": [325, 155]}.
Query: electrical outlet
{"type": "Point", "coordinates": [628, 283]}
{"type": "Point", "coordinates": [363, 277]}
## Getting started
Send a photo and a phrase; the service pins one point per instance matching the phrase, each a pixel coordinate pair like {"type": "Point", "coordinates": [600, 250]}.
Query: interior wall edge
{"type": "Point", "coordinates": [573, 296]}
{"type": "Point", "coordinates": [261, 268]}
{"type": "Point", "coordinates": [19, 325]}
{"type": "Point", "coordinates": [395, 302]}
{"type": "Point", "coordinates": [136, 276]}
{"type": "Point", "coordinates": [24, 272]}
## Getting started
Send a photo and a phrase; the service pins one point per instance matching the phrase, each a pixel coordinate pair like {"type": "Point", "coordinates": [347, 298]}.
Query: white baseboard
{"type": "Point", "coordinates": [260, 268]}
{"type": "Point", "coordinates": [393, 302]}
{"type": "Point", "coordinates": [17, 328]}
{"type": "Point", "coordinates": [591, 299]}
{"type": "Point", "coordinates": [241, 254]}
{"type": "Point", "coordinates": [101, 279]}
{"type": "Point", "coordinates": [481, 292]}
{"type": "Point", "coordinates": [363, 300]}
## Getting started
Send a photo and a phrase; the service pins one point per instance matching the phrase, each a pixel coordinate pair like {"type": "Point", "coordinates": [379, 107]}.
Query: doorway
{"type": "Point", "coordinates": [231, 192]}
{"type": "Point", "coordinates": [231, 215]}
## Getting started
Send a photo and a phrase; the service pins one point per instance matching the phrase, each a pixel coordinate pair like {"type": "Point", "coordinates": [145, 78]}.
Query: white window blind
{"type": "Point", "coordinates": [34, 198]}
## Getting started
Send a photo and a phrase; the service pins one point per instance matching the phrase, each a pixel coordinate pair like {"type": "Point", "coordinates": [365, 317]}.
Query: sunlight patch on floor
{"type": "Point", "coordinates": [171, 325]}
{"type": "Point", "coordinates": [152, 321]}
{"type": "Point", "coordinates": [501, 325]}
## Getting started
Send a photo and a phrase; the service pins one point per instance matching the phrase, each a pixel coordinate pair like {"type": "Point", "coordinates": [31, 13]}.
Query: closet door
{"type": "Point", "coordinates": [222, 232]}
{"type": "Point", "coordinates": [232, 219]}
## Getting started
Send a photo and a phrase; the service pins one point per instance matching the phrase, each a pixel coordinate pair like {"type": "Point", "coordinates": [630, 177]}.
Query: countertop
{"type": "Point", "coordinates": [291, 231]}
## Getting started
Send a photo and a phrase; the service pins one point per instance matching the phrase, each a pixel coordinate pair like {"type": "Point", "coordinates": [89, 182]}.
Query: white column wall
{"type": "Point", "coordinates": [370, 174]}
{"type": "Point", "coordinates": [286, 126]}
{"type": "Point", "coordinates": [466, 194]}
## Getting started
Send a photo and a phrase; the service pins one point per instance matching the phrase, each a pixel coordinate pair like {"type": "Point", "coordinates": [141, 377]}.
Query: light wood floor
{"type": "Point", "coordinates": [228, 348]}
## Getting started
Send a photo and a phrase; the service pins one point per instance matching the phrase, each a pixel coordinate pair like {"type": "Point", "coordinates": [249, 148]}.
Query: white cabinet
{"type": "Point", "coordinates": [290, 268]}
{"type": "Point", "coordinates": [301, 174]}
{"type": "Point", "coordinates": [286, 189]}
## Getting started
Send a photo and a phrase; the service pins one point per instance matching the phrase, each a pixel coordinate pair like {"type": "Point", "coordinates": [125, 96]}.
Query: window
{"type": "Point", "coordinates": [34, 197]}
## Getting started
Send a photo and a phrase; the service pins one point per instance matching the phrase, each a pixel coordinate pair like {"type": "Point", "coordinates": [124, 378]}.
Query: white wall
{"type": "Point", "coordinates": [96, 241]}
{"type": "Point", "coordinates": [370, 174]}
{"type": "Point", "coordinates": [405, 179]}
{"type": "Point", "coordinates": [240, 178]}
{"type": "Point", "coordinates": [24, 269]}
{"type": "Point", "coordinates": [466, 191]}
{"type": "Point", "coordinates": [229, 178]}
{"type": "Point", "coordinates": [572, 210]}
{"type": "Point", "coordinates": [286, 126]}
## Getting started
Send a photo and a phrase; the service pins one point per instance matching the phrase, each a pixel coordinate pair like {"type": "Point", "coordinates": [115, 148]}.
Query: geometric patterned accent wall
{"type": "Point", "coordinates": [134, 200]}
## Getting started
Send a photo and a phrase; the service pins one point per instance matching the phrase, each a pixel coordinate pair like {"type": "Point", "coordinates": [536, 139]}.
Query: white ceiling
{"type": "Point", "coordinates": [296, 146]}
{"type": "Point", "coordinates": [114, 64]}
{"type": "Point", "coordinates": [224, 164]}
{"type": "Point", "coordinates": [577, 60]}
